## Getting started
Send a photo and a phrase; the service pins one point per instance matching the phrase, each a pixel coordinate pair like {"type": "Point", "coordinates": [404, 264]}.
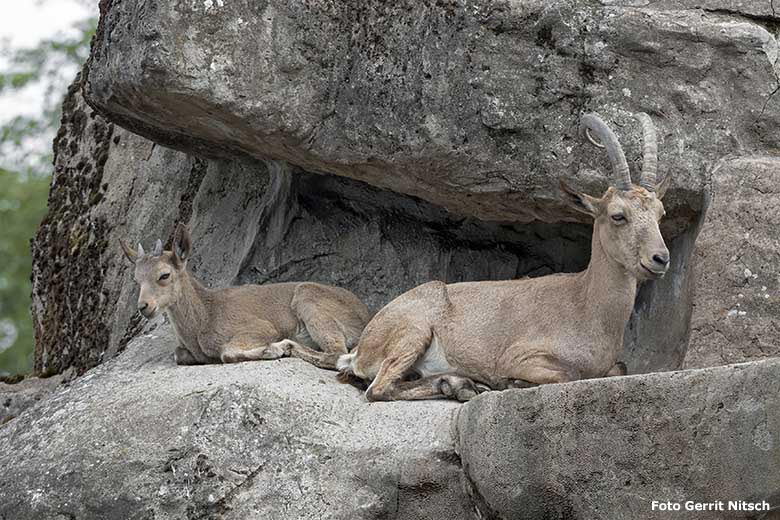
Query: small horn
{"type": "Point", "coordinates": [649, 153]}
{"type": "Point", "coordinates": [140, 250]}
{"type": "Point", "coordinates": [157, 248]}
{"type": "Point", "coordinates": [608, 140]}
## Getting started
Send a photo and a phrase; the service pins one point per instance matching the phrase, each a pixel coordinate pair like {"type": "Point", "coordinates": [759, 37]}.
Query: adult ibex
{"type": "Point", "coordinates": [245, 322]}
{"type": "Point", "coordinates": [518, 333]}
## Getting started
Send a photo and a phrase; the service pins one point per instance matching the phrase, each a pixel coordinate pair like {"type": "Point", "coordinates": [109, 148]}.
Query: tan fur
{"type": "Point", "coordinates": [246, 322]}
{"type": "Point", "coordinates": [519, 333]}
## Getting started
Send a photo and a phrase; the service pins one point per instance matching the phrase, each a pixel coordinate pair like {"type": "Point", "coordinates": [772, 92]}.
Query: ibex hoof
{"type": "Point", "coordinates": [459, 388]}
{"type": "Point", "coordinates": [229, 357]}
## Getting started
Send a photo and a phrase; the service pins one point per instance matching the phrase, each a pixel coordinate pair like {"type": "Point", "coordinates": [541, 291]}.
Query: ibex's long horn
{"type": "Point", "coordinates": [649, 153]}
{"type": "Point", "coordinates": [140, 250]}
{"type": "Point", "coordinates": [157, 248]}
{"type": "Point", "coordinates": [614, 150]}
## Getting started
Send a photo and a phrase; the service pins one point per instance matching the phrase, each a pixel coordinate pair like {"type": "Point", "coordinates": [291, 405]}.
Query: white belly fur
{"type": "Point", "coordinates": [433, 362]}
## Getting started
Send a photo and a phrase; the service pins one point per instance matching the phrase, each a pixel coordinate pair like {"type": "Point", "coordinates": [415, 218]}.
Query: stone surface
{"type": "Point", "coordinates": [139, 437]}
{"type": "Point", "coordinates": [604, 449]}
{"type": "Point", "coordinates": [735, 316]}
{"type": "Point", "coordinates": [471, 105]}
{"type": "Point", "coordinates": [16, 398]}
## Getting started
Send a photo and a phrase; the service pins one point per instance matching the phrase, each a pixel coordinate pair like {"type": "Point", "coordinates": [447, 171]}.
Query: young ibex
{"type": "Point", "coordinates": [517, 333]}
{"type": "Point", "coordinates": [245, 322]}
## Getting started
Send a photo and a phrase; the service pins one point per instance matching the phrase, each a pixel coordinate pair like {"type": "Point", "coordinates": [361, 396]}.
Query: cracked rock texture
{"type": "Point", "coordinates": [605, 448]}
{"type": "Point", "coordinates": [735, 316]}
{"type": "Point", "coordinates": [141, 438]}
{"type": "Point", "coordinates": [17, 397]}
{"type": "Point", "coordinates": [471, 105]}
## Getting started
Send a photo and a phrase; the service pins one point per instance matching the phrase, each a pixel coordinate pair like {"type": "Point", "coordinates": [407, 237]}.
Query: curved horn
{"type": "Point", "coordinates": [157, 248]}
{"type": "Point", "coordinates": [649, 153]}
{"type": "Point", "coordinates": [141, 251]}
{"type": "Point", "coordinates": [592, 122]}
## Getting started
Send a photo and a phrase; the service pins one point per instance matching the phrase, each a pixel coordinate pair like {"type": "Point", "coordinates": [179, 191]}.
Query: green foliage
{"type": "Point", "coordinates": [25, 166]}
{"type": "Point", "coordinates": [22, 205]}
{"type": "Point", "coordinates": [46, 69]}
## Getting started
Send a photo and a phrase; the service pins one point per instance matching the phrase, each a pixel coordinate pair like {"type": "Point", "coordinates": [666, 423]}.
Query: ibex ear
{"type": "Point", "coordinates": [660, 189]}
{"type": "Point", "coordinates": [129, 252]}
{"type": "Point", "coordinates": [579, 201]}
{"type": "Point", "coordinates": [182, 244]}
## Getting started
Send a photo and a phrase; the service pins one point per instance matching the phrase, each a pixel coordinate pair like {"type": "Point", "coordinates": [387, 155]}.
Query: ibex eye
{"type": "Point", "coordinates": [165, 276]}
{"type": "Point", "coordinates": [618, 217]}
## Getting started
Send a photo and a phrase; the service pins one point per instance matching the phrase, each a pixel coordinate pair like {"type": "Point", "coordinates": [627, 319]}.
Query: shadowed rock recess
{"type": "Point", "coordinates": [377, 146]}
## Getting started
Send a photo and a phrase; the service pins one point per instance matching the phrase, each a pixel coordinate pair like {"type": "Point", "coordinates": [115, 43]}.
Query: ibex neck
{"type": "Point", "coordinates": [189, 312]}
{"type": "Point", "coordinates": [610, 290]}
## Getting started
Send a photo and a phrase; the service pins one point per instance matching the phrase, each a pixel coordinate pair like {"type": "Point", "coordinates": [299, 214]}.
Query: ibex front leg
{"type": "Point", "coordinates": [444, 386]}
{"type": "Point", "coordinates": [262, 343]}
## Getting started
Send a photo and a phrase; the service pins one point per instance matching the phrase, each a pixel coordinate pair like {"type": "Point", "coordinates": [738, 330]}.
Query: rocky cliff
{"type": "Point", "coordinates": [376, 146]}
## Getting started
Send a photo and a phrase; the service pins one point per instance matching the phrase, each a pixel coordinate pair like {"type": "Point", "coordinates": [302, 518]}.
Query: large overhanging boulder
{"type": "Point", "coordinates": [471, 105]}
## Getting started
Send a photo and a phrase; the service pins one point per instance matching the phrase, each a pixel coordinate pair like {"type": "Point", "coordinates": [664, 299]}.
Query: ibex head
{"type": "Point", "coordinates": [627, 216]}
{"type": "Point", "coordinates": [159, 273]}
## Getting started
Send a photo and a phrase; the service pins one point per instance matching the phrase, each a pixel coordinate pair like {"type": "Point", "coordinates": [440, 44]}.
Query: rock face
{"type": "Point", "coordinates": [471, 105]}
{"type": "Point", "coordinates": [68, 264]}
{"type": "Point", "coordinates": [143, 438]}
{"type": "Point", "coordinates": [606, 448]}
{"type": "Point", "coordinates": [735, 317]}
{"type": "Point", "coordinates": [252, 221]}
{"type": "Point", "coordinates": [139, 437]}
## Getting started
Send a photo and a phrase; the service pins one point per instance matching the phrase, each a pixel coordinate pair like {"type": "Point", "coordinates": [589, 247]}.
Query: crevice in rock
{"type": "Point", "coordinates": [194, 181]}
{"type": "Point", "coordinates": [222, 505]}
{"type": "Point", "coordinates": [772, 25]}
